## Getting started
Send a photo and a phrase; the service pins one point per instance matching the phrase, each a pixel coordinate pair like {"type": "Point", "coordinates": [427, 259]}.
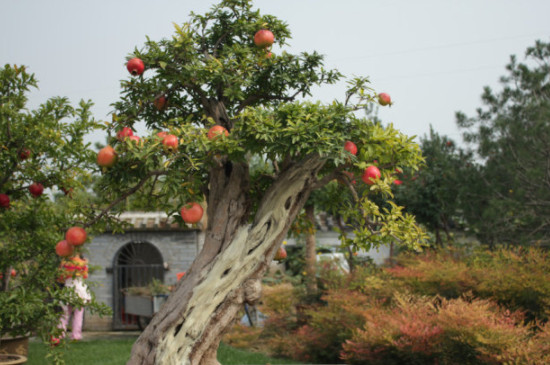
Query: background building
{"type": "Point", "coordinates": [152, 247]}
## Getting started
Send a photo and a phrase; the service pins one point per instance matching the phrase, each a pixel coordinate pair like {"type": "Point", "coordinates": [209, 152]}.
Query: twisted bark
{"type": "Point", "coordinates": [228, 271]}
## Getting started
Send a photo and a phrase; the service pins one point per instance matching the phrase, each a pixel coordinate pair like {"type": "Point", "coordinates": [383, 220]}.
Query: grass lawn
{"type": "Point", "coordinates": [117, 351]}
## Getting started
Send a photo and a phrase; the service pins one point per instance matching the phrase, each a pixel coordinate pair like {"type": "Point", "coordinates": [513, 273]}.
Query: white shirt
{"type": "Point", "coordinates": [80, 288]}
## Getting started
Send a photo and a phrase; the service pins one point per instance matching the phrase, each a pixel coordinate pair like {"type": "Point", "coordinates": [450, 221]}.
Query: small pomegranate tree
{"type": "Point", "coordinates": [213, 72]}
{"type": "Point", "coordinates": [43, 166]}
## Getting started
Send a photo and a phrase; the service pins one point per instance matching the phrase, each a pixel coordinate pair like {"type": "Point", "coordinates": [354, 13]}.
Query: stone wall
{"type": "Point", "coordinates": [177, 247]}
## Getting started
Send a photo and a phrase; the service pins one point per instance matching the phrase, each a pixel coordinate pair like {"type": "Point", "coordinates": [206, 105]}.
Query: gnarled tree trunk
{"type": "Point", "coordinates": [228, 270]}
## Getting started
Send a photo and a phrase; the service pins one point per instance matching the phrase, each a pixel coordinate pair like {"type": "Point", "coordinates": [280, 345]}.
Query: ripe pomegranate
{"type": "Point", "coordinates": [124, 133]}
{"type": "Point", "coordinates": [170, 142]}
{"type": "Point", "coordinates": [191, 212]}
{"type": "Point", "coordinates": [54, 341]}
{"type": "Point", "coordinates": [106, 157]}
{"type": "Point", "coordinates": [64, 248]}
{"type": "Point", "coordinates": [135, 66]}
{"type": "Point", "coordinates": [36, 189]}
{"type": "Point", "coordinates": [384, 99]}
{"type": "Point", "coordinates": [24, 154]}
{"type": "Point", "coordinates": [4, 201]}
{"type": "Point", "coordinates": [160, 102]}
{"type": "Point", "coordinates": [75, 236]}
{"type": "Point", "coordinates": [281, 254]}
{"type": "Point", "coordinates": [264, 38]}
{"type": "Point", "coordinates": [217, 131]}
{"type": "Point", "coordinates": [371, 174]}
{"type": "Point", "coordinates": [350, 147]}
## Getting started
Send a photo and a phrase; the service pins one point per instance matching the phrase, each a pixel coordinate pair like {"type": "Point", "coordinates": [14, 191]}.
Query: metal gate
{"type": "Point", "coordinates": [135, 264]}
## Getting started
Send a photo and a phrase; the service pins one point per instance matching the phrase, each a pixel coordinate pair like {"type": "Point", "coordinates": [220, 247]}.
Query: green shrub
{"type": "Point", "coordinates": [310, 331]}
{"type": "Point", "coordinates": [517, 278]}
{"type": "Point", "coordinates": [369, 280]}
{"type": "Point", "coordinates": [244, 337]}
{"type": "Point", "coordinates": [279, 304]}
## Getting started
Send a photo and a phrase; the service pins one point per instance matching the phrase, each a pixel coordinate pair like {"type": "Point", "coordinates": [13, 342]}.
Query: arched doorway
{"type": "Point", "coordinates": [135, 264]}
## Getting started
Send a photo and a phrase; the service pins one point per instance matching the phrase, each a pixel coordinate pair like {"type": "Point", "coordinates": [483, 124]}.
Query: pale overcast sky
{"type": "Point", "coordinates": [432, 56]}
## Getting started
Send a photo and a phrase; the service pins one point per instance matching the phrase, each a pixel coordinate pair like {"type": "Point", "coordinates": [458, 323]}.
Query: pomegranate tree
{"type": "Point", "coordinates": [229, 107]}
{"type": "Point", "coordinates": [41, 159]}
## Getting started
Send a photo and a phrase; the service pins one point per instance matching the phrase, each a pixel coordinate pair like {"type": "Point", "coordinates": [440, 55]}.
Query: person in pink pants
{"type": "Point", "coordinates": [78, 317]}
{"type": "Point", "coordinates": [75, 271]}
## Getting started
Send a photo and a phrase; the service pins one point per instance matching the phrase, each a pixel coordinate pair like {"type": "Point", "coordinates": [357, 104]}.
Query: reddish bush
{"type": "Point", "coordinates": [537, 350]}
{"type": "Point", "coordinates": [434, 273]}
{"type": "Point", "coordinates": [515, 278]}
{"type": "Point", "coordinates": [417, 312]}
{"type": "Point", "coordinates": [403, 334]}
{"type": "Point", "coordinates": [437, 331]}
{"type": "Point", "coordinates": [328, 326]}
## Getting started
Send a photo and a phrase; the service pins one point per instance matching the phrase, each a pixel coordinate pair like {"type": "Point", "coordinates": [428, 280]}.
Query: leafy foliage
{"type": "Point", "coordinates": [211, 73]}
{"type": "Point", "coordinates": [31, 226]}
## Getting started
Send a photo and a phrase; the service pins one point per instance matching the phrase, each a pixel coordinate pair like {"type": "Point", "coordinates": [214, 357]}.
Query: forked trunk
{"type": "Point", "coordinates": [227, 272]}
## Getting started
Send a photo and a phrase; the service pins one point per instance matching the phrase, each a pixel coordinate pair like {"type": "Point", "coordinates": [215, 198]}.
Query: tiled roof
{"type": "Point", "coordinates": [161, 221]}
{"type": "Point", "coordinates": [151, 221]}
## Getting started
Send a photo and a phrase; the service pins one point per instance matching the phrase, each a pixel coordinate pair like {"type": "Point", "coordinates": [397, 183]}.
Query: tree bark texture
{"type": "Point", "coordinates": [227, 272]}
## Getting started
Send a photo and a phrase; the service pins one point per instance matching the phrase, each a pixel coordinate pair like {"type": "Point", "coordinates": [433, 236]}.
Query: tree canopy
{"type": "Point", "coordinates": [510, 135]}
{"type": "Point", "coordinates": [211, 73]}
